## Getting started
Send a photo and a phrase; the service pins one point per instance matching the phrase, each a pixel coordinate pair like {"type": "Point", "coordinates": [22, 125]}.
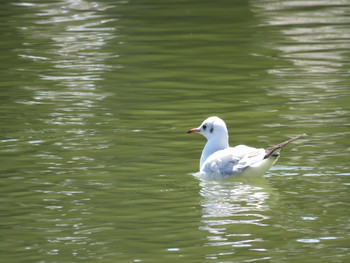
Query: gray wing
{"type": "Point", "coordinates": [232, 161]}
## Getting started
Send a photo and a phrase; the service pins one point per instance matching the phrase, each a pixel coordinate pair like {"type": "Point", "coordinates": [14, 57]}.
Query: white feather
{"type": "Point", "coordinates": [219, 161]}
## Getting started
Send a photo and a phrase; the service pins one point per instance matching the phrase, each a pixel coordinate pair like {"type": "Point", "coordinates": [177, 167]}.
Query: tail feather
{"type": "Point", "coordinates": [270, 150]}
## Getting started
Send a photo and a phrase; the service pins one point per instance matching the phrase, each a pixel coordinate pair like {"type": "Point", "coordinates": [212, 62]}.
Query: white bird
{"type": "Point", "coordinates": [219, 160]}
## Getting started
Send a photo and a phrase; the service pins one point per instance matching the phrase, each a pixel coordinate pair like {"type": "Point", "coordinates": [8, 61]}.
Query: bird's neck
{"type": "Point", "coordinates": [213, 145]}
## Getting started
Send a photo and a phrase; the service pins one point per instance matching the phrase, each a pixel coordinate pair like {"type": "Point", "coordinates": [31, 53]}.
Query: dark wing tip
{"type": "Point", "coordinates": [270, 150]}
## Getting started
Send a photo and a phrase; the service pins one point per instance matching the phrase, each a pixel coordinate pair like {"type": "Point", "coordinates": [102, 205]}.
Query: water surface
{"type": "Point", "coordinates": [96, 100]}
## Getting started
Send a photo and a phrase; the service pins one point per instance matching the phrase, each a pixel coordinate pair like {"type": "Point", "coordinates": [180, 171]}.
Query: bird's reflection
{"type": "Point", "coordinates": [234, 211]}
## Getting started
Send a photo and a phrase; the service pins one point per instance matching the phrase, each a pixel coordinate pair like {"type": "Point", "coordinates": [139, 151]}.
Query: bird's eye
{"type": "Point", "coordinates": [204, 127]}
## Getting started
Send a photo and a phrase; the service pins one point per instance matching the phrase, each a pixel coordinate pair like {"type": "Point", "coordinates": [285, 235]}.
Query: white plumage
{"type": "Point", "coordinates": [219, 161]}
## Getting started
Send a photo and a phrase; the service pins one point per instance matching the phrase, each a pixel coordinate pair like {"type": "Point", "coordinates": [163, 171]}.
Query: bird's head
{"type": "Point", "coordinates": [212, 127]}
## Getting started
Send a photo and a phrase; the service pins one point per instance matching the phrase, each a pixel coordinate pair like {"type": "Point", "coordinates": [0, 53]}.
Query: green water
{"type": "Point", "coordinates": [97, 96]}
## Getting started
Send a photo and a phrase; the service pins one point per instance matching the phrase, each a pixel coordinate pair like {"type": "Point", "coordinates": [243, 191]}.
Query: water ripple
{"type": "Point", "coordinates": [228, 204]}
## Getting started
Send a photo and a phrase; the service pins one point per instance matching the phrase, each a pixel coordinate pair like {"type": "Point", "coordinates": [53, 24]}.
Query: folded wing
{"type": "Point", "coordinates": [232, 160]}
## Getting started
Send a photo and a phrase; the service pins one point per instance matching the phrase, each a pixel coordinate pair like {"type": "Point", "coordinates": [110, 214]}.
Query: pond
{"type": "Point", "coordinates": [97, 96]}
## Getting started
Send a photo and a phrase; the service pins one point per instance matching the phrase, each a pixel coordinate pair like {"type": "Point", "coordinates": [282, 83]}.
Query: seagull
{"type": "Point", "coordinates": [220, 161]}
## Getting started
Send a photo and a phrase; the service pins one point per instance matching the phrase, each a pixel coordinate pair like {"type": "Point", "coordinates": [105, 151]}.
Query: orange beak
{"type": "Point", "coordinates": [195, 130]}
